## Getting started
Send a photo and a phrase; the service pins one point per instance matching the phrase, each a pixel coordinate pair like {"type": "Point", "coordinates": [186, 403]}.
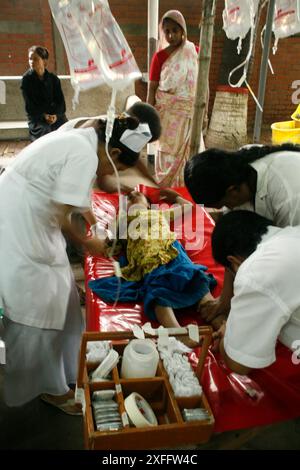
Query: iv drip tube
{"type": "Point", "coordinates": [108, 133]}
{"type": "Point", "coordinates": [243, 78]}
{"type": "Point", "coordinates": [262, 46]}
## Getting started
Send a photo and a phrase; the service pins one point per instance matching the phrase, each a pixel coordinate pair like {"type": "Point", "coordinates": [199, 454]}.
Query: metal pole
{"type": "Point", "coordinates": [152, 45]}
{"type": "Point", "coordinates": [263, 72]}
{"type": "Point", "coordinates": [152, 29]}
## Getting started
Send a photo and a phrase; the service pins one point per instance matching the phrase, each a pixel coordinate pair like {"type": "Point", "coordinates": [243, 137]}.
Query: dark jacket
{"type": "Point", "coordinates": [42, 97]}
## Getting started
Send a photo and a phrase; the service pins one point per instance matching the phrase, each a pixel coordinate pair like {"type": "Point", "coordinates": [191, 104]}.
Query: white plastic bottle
{"type": "Point", "coordinates": [140, 359]}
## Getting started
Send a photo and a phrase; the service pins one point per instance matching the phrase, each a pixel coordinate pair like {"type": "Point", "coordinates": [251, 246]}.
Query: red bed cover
{"type": "Point", "coordinates": [266, 396]}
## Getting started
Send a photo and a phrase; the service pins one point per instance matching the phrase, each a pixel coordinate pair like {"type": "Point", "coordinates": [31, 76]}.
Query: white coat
{"type": "Point", "coordinates": [278, 188]}
{"type": "Point", "coordinates": [42, 316]}
{"type": "Point", "coordinates": [266, 302]}
{"type": "Point", "coordinates": [35, 279]}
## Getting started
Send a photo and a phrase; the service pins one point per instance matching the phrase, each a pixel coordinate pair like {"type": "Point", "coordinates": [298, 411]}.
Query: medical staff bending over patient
{"type": "Point", "coordinates": [42, 317]}
{"type": "Point", "coordinates": [262, 179]}
{"type": "Point", "coordinates": [145, 113]}
{"type": "Point", "coordinates": [265, 261]}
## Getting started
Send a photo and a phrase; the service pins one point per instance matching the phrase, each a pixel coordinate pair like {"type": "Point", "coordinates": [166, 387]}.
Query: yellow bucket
{"type": "Point", "coordinates": [296, 115]}
{"type": "Point", "coordinates": [285, 131]}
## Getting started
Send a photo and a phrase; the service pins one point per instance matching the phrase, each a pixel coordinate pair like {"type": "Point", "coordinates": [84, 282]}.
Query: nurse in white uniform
{"type": "Point", "coordinates": [145, 113]}
{"type": "Point", "coordinates": [42, 317]}
{"type": "Point", "coordinates": [265, 306]}
{"type": "Point", "coordinates": [257, 178]}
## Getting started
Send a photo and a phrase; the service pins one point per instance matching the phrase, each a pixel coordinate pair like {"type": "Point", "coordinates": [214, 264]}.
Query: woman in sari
{"type": "Point", "coordinates": [173, 75]}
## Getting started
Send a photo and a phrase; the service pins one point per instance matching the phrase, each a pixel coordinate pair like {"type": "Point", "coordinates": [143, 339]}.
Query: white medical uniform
{"type": "Point", "coordinates": [278, 188]}
{"type": "Point", "coordinates": [71, 123]}
{"type": "Point", "coordinates": [266, 301]}
{"type": "Point", "coordinates": [43, 322]}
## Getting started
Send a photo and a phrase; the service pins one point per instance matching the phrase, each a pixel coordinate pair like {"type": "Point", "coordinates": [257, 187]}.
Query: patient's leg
{"type": "Point", "coordinates": [206, 298]}
{"type": "Point", "coordinates": [166, 317]}
{"type": "Point", "coordinates": [218, 320]}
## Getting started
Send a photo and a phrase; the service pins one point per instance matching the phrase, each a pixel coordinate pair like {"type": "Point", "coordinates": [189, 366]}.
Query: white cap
{"type": "Point", "coordinates": [135, 139]}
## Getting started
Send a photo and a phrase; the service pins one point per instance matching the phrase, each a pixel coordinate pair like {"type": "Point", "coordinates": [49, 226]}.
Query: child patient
{"type": "Point", "coordinates": [158, 270]}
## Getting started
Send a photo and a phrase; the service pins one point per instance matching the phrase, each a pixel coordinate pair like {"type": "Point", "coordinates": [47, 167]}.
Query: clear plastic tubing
{"type": "Point", "coordinates": [140, 359]}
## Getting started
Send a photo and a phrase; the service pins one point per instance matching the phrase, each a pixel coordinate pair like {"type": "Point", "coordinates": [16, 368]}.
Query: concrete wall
{"type": "Point", "coordinates": [91, 102]}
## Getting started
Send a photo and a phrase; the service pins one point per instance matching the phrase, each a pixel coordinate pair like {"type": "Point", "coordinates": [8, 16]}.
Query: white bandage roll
{"type": "Point", "coordinates": [139, 411]}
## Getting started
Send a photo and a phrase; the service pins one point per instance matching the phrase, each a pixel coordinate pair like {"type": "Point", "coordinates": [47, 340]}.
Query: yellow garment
{"type": "Point", "coordinates": [149, 243]}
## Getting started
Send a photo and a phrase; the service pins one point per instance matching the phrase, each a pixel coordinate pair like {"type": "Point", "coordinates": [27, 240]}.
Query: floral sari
{"type": "Point", "coordinates": [174, 102]}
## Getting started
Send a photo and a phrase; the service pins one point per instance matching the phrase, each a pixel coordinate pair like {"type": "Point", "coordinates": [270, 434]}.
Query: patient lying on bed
{"type": "Point", "coordinates": [157, 269]}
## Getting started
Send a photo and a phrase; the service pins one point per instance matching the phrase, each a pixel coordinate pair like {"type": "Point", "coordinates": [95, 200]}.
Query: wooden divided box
{"type": "Point", "coordinates": [171, 431]}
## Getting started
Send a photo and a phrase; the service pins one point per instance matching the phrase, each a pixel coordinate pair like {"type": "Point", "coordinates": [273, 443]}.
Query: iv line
{"type": "Point", "coordinates": [108, 133]}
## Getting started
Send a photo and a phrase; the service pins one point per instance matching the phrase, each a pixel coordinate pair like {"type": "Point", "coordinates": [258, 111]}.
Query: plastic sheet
{"type": "Point", "coordinates": [84, 72]}
{"type": "Point", "coordinates": [95, 45]}
{"type": "Point", "coordinates": [103, 317]}
{"type": "Point", "coordinates": [105, 41]}
{"type": "Point", "coordinates": [264, 397]}
{"type": "Point", "coordinates": [287, 18]}
{"type": "Point", "coordinates": [238, 17]}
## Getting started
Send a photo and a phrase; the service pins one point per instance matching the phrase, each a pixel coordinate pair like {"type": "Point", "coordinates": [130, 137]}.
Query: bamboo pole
{"type": "Point", "coordinates": [204, 58]}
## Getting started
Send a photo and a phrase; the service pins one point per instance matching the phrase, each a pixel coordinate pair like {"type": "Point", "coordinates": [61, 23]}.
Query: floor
{"type": "Point", "coordinates": [37, 425]}
{"type": "Point", "coordinates": [40, 426]}
{"type": "Point", "coordinates": [10, 148]}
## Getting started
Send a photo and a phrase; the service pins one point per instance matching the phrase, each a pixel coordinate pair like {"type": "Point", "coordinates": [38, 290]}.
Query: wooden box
{"type": "Point", "coordinates": [172, 430]}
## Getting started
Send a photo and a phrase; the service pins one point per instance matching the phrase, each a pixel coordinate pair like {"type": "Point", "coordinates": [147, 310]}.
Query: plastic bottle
{"type": "Point", "coordinates": [140, 359]}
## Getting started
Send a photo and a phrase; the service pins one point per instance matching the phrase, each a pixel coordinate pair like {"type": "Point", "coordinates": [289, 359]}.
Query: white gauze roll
{"type": "Point", "coordinates": [139, 411]}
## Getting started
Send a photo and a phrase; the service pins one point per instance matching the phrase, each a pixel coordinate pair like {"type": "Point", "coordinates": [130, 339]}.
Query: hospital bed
{"type": "Point", "coordinates": [238, 402]}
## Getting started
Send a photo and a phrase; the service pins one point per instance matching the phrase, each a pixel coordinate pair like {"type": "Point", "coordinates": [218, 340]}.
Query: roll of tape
{"type": "Point", "coordinates": [139, 411]}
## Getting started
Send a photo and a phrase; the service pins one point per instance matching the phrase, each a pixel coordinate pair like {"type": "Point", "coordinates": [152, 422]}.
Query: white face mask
{"type": "Point", "coordinates": [136, 139]}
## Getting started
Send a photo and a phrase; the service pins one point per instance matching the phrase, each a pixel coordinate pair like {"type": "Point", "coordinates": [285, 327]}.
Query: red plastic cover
{"type": "Point", "coordinates": [266, 396]}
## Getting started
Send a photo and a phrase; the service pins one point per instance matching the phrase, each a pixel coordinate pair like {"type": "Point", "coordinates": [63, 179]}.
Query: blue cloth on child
{"type": "Point", "coordinates": [178, 284]}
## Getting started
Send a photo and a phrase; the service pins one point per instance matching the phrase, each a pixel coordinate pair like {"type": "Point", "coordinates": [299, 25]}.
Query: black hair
{"type": "Point", "coordinates": [128, 157]}
{"type": "Point", "coordinates": [171, 19]}
{"type": "Point", "coordinates": [209, 174]}
{"type": "Point", "coordinates": [147, 113]}
{"type": "Point", "coordinates": [40, 51]}
{"type": "Point", "coordinates": [237, 234]}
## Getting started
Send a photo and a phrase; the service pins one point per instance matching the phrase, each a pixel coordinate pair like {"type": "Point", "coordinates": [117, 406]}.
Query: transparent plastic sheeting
{"type": "Point", "coordinates": [84, 72]}
{"type": "Point", "coordinates": [266, 396]}
{"type": "Point", "coordinates": [286, 19]}
{"type": "Point", "coordinates": [96, 47]}
{"type": "Point", "coordinates": [238, 17]}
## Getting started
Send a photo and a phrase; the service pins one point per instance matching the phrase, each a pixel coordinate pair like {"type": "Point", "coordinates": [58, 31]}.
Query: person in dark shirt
{"type": "Point", "coordinates": [44, 100]}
